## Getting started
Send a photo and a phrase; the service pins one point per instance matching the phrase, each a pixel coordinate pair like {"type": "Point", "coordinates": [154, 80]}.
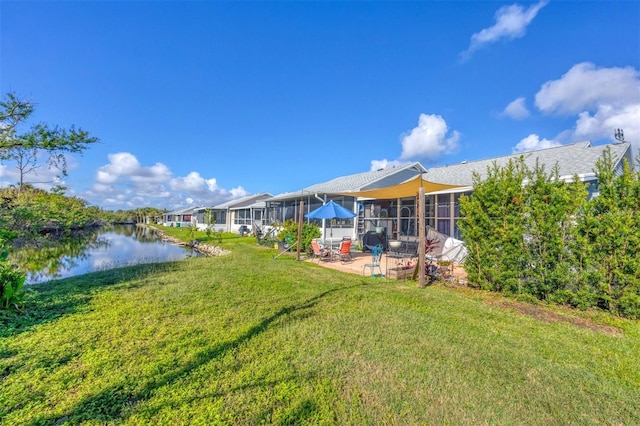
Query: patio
{"type": "Point", "coordinates": [360, 259]}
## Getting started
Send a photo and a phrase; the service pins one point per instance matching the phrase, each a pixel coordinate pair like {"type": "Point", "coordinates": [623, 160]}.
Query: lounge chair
{"type": "Point", "coordinates": [320, 253]}
{"type": "Point", "coordinates": [345, 251]}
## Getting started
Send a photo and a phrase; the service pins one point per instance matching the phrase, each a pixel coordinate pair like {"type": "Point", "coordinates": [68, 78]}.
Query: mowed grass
{"type": "Point", "coordinates": [248, 339]}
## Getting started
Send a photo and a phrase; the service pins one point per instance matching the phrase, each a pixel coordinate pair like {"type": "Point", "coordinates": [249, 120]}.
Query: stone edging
{"type": "Point", "coordinates": [206, 249]}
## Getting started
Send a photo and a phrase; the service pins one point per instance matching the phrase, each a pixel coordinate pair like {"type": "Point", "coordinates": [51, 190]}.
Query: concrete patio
{"type": "Point", "coordinates": [359, 259]}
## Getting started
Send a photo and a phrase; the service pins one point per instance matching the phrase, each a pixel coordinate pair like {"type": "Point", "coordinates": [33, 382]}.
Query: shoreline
{"type": "Point", "coordinates": [205, 249]}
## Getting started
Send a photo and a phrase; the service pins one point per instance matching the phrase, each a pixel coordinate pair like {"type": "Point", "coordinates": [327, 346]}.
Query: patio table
{"type": "Point", "coordinates": [332, 244]}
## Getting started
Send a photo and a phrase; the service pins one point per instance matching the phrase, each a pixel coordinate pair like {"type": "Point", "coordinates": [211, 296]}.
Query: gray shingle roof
{"type": "Point", "coordinates": [579, 158]}
{"type": "Point", "coordinates": [286, 196]}
{"type": "Point", "coordinates": [242, 202]}
{"type": "Point", "coordinates": [367, 180]}
{"type": "Point", "coordinates": [187, 210]}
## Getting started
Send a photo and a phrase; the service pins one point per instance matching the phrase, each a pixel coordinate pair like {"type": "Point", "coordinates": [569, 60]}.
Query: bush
{"type": "Point", "coordinates": [562, 297]}
{"type": "Point", "coordinates": [585, 299]}
{"type": "Point", "coordinates": [11, 279]}
{"type": "Point", "coordinates": [11, 285]}
{"type": "Point", "coordinates": [290, 230]}
{"type": "Point", "coordinates": [629, 305]}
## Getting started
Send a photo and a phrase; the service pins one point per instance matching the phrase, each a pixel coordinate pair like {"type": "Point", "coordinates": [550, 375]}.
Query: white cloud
{"type": "Point", "coordinates": [585, 87]}
{"type": "Point", "coordinates": [516, 109]}
{"type": "Point", "coordinates": [532, 143]}
{"type": "Point", "coordinates": [238, 192]}
{"type": "Point", "coordinates": [125, 183]}
{"type": "Point", "coordinates": [384, 163]}
{"type": "Point", "coordinates": [126, 165]}
{"type": "Point", "coordinates": [602, 99]}
{"type": "Point", "coordinates": [192, 182]}
{"type": "Point", "coordinates": [428, 140]}
{"type": "Point", "coordinates": [511, 23]}
{"type": "Point", "coordinates": [212, 184]}
{"type": "Point", "coordinates": [604, 122]}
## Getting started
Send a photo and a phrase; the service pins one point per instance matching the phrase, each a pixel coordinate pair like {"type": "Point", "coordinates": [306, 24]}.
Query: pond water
{"type": "Point", "coordinates": [97, 250]}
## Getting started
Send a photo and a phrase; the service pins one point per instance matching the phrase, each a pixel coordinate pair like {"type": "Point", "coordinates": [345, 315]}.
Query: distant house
{"type": "Point", "coordinates": [179, 218]}
{"type": "Point", "coordinates": [230, 216]}
{"type": "Point", "coordinates": [385, 199]}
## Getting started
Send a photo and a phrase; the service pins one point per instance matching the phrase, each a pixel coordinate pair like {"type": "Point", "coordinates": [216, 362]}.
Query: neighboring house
{"type": "Point", "coordinates": [230, 216]}
{"type": "Point", "coordinates": [386, 198]}
{"type": "Point", "coordinates": [180, 218]}
{"type": "Point", "coordinates": [383, 198]}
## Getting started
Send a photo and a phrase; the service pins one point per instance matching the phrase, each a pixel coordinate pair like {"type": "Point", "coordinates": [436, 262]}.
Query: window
{"type": "Point", "coordinates": [444, 206]}
{"type": "Point", "coordinates": [444, 226]}
{"type": "Point", "coordinates": [242, 217]}
{"type": "Point", "coordinates": [456, 213]}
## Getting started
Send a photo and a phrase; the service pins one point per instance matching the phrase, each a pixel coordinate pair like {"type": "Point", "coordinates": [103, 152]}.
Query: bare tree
{"type": "Point", "coordinates": [24, 148]}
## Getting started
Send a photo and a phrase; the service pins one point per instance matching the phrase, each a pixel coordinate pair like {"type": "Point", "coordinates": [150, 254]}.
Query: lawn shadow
{"type": "Point", "coordinates": [109, 404]}
{"type": "Point", "coordinates": [51, 300]}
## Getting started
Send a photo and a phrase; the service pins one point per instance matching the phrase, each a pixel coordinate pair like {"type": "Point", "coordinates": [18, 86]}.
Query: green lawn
{"type": "Point", "coordinates": [246, 339]}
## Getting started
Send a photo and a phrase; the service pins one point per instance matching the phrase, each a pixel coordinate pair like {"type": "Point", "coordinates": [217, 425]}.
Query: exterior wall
{"type": "Point", "coordinates": [178, 221]}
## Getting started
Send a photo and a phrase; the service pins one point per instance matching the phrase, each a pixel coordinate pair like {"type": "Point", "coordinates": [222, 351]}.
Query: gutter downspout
{"type": "Point", "coordinates": [324, 223]}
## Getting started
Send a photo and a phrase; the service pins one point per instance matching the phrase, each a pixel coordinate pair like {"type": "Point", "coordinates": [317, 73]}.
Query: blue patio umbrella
{"type": "Point", "coordinates": [330, 210]}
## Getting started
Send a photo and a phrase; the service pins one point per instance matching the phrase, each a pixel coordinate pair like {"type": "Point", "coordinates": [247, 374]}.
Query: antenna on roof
{"type": "Point", "coordinates": [619, 135]}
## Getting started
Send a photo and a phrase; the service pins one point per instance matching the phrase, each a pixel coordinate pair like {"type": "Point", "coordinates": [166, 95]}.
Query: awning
{"type": "Point", "coordinates": [409, 188]}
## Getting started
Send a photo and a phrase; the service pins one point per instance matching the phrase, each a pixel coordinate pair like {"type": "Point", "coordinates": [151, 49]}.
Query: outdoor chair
{"type": "Point", "coordinates": [376, 255]}
{"type": "Point", "coordinates": [345, 251]}
{"type": "Point", "coordinates": [320, 253]}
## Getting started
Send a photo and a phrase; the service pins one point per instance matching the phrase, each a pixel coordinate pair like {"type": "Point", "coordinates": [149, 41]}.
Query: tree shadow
{"type": "Point", "coordinates": [49, 301]}
{"type": "Point", "coordinates": [109, 404]}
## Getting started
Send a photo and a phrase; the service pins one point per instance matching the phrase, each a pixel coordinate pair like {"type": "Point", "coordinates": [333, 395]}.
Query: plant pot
{"type": "Point", "coordinates": [400, 273]}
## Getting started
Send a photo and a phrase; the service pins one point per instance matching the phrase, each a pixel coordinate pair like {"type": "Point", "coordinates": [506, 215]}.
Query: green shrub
{"type": "Point", "coordinates": [585, 298]}
{"type": "Point", "coordinates": [629, 305]}
{"type": "Point", "coordinates": [562, 297]}
{"type": "Point", "coordinates": [11, 283]}
{"type": "Point", "coordinates": [548, 240]}
{"type": "Point", "coordinates": [289, 233]}
{"type": "Point", "coordinates": [527, 298]}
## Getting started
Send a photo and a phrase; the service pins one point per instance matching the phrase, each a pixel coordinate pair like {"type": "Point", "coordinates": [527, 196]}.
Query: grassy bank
{"type": "Point", "coordinates": [245, 339]}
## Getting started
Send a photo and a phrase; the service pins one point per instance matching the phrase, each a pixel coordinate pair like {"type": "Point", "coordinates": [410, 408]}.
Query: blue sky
{"type": "Point", "coordinates": [196, 103]}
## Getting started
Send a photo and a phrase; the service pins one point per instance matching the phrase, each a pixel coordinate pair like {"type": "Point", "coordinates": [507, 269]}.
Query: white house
{"type": "Point", "coordinates": [232, 215]}
{"type": "Point", "coordinates": [179, 218]}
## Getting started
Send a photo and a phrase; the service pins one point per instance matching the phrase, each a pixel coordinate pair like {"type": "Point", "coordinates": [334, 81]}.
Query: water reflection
{"type": "Point", "coordinates": [97, 250]}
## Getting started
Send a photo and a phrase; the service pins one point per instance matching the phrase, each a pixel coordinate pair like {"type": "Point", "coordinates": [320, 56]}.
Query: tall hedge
{"type": "Point", "coordinates": [530, 233]}
{"type": "Point", "coordinates": [610, 227]}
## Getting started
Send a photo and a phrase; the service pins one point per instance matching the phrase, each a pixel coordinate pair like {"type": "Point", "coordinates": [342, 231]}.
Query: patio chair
{"type": "Point", "coordinates": [376, 255]}
{"type": "Point", "coordinates": [320, 253]}
{"type": "Point", "coordinates": [345, 251]}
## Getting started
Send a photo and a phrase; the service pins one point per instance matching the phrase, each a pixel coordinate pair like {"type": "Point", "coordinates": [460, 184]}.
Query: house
{"type": "Point", "coordinates": [385, 199]}
{"type": "Point", "coordinates": [179, 218]}
{"type": "Point", "coordinates": [232, 215]}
